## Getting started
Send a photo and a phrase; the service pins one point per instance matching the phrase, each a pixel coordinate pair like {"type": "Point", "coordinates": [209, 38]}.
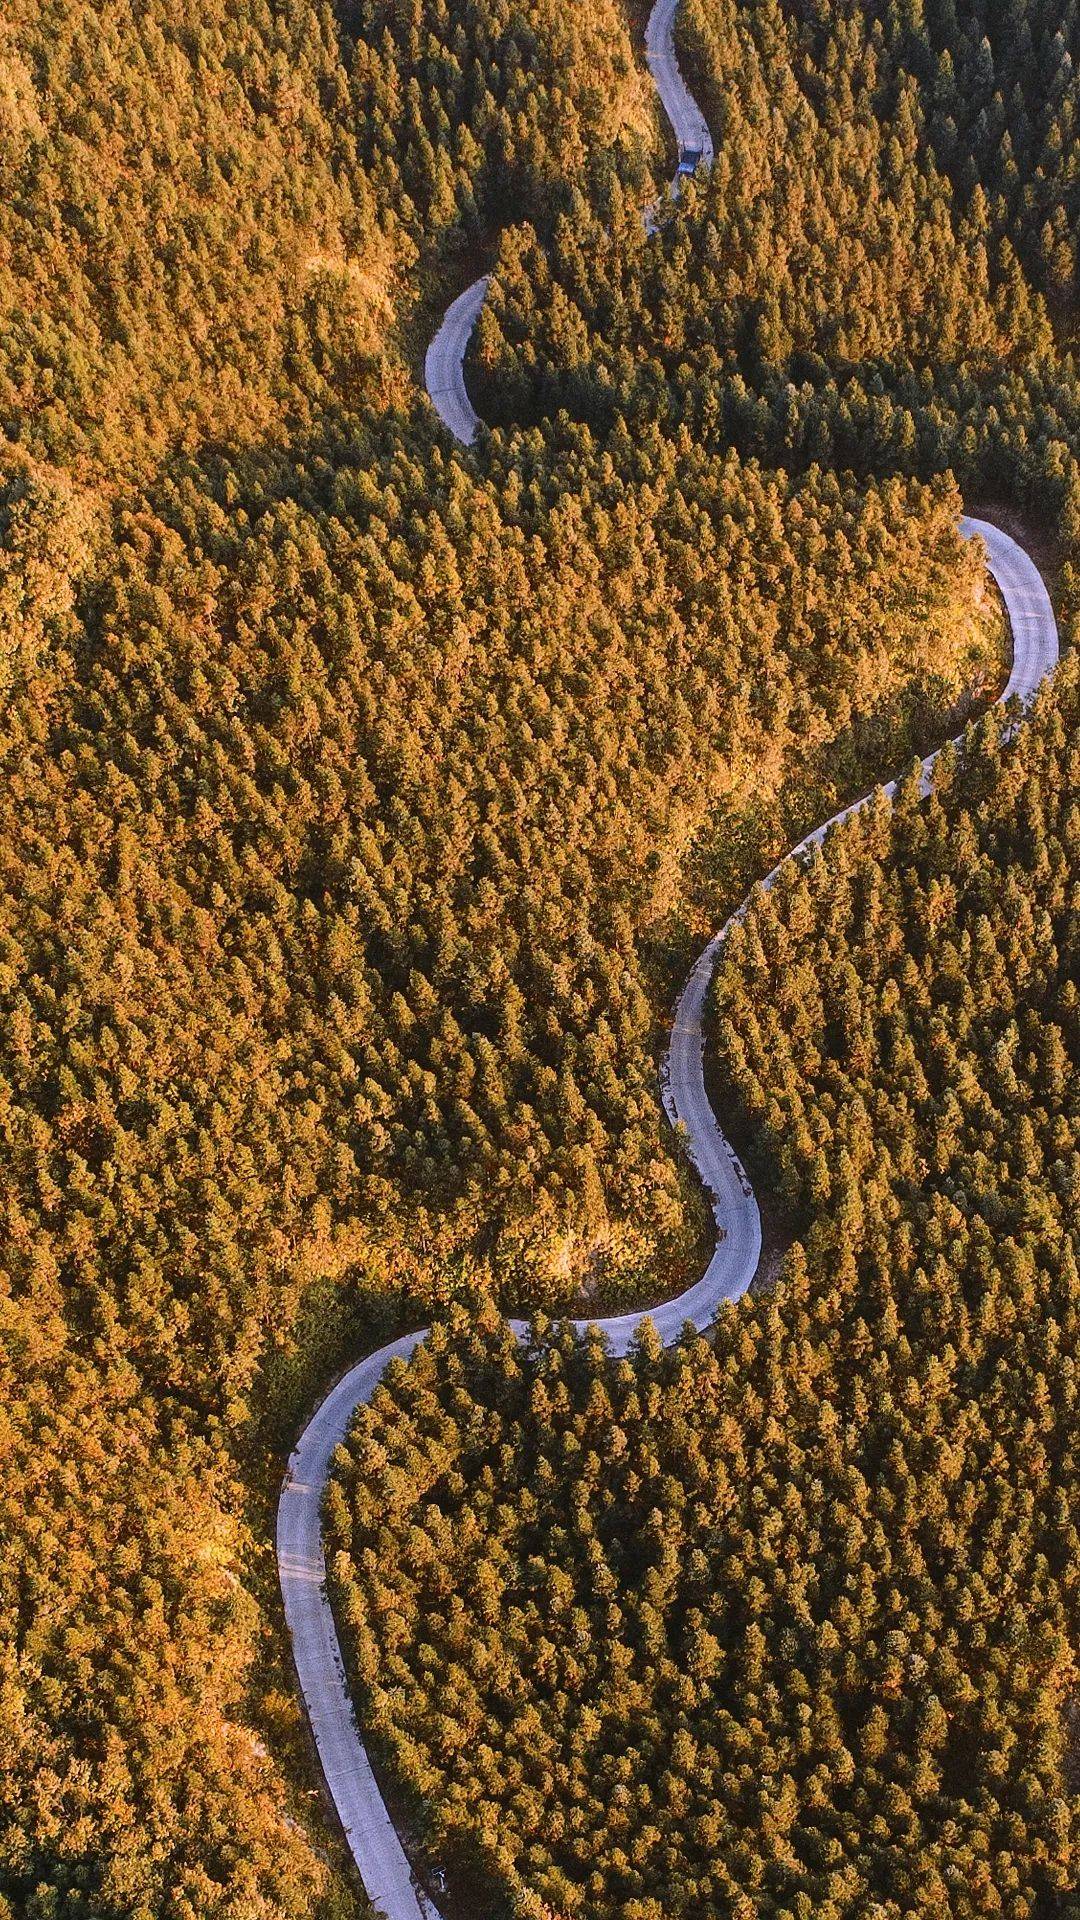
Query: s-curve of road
{"type": "Point", "coordinates": [372, 1838]}
{"type": "Point", "coordinates": [369, 1830]}
{"type": "Point", "coordinates": [444, 362]}
{"type": "Point", "coordinates": [688, 123]}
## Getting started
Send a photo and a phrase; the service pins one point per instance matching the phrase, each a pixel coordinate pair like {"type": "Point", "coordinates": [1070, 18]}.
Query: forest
{"type": "Point", "coordinates": [363, 801]}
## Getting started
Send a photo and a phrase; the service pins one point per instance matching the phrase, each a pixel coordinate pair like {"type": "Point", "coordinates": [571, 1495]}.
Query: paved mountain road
{"type": "Point", "coordinates": [688, 123]}
{"type": "Point", "coordinates": [444, 364]}
{"type": "Point", "coordinates": [373, 1841]}
{"type": "Point", "coordinates": [369, 1830]}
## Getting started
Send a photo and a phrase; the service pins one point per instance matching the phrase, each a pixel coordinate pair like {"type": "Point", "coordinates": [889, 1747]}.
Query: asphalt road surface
{"type": "Point", "coordinates": [688, 124]}
{"type": "Point", "coordinates": [370, 1832]}
{"type": "Point", "coordinates": [444, 364]}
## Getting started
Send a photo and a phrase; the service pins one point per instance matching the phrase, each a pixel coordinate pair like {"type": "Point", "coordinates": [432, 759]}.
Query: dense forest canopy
{"type": "Point", "coordinates": [863, 278]}
{"type": "Point", "coordinates": [361, 801]}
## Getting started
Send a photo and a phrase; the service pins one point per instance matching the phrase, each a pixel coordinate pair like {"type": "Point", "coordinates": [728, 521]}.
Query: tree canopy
{"type": "Point", "coordinates": [362, 801]}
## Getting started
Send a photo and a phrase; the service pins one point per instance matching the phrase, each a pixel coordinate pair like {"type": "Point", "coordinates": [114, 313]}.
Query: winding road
{"type": "Point", "coordinates": [373, 1840]}
{"type": "Point", "coordinates": [369, 1830]}
{"type": "Point", "coordinates": [444, 362]}
{"type": "Point", "coordinates": [688, 123]}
